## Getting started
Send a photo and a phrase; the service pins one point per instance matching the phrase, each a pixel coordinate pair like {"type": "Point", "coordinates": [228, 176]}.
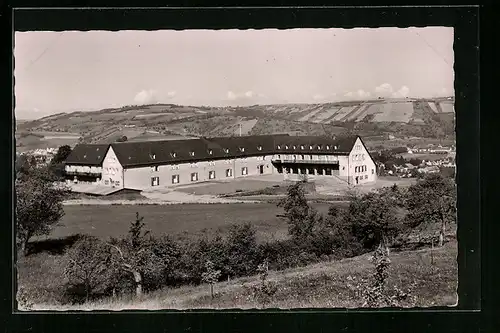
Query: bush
{"type": "Point", "coordinates": [87, 270]}
{"type": "Point", "coordinates": [242, 250]}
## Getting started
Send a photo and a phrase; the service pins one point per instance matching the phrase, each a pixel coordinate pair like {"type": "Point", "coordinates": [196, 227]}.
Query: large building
{"type": "Point", "coordinates": [142, 165]}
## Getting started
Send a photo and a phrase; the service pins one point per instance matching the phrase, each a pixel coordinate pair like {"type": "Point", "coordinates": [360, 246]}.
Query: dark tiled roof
{"type": "Point", "coordinates": [139, 153]}
{"type": "Point", "coordinates": [87, 154]}
{"type": "Point", "coordinates": [309, 144]}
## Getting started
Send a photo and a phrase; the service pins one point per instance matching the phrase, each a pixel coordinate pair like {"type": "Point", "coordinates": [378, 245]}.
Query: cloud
{"type": "Point", "coordinates": [384, 90]}
{"type": "Point", "coordinates": [318, 97]}
{"type": "Point", "coordinates": [145, 97]}
{"type": "Point", "coordinates": [404, 91]}
{"type": "Point", "coordinates": [171, 94]}
{"type": "Point", "coordinates": [349, 94]}
{"type": "Point", "coordinates": [36, 110]}
{"type": "Point", "coordinates": [249, 94]}
{"type": "Point", "coordinates": [363, 94]}
{"type": "Point", "coordinates": [245, 96]}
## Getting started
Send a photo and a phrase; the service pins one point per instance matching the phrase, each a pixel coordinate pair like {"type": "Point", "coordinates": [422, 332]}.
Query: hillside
{"type": "Point", "coordinates": [328, 284]}
{"type": "Point", "coordinates": [433, 118]}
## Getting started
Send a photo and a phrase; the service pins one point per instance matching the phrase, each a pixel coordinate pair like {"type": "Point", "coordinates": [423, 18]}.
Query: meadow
{"type": "Point", "coordinates": [105, 221]}
{"type": "Point", "coordinates": [328, 284]}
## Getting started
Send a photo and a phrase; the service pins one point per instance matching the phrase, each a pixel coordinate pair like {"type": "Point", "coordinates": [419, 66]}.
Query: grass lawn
{"type": "Point", "coordinates": [331, 284]}
{"type": "Point", "coordinates": [114, 220]}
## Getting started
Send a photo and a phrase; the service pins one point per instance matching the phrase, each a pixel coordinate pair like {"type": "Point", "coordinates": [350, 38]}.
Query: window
{"type": "Point", "coordinates": [194, 176]}
{"type": "Point", "coordinates": [335, 147]}
{"type": "Point", "coordinates": [319, 147]}
{"type": "Point", "coordinates": [279, 157]}
{"type": "Point", "coordinates": [155, 181]}
{"type": "Point", "coordinates": [106, 182]}
{"type": "Point", "coordinates": [310, 147]}
{"type": "Point", "coordinates": [173, 154]}
{"type": "Point", "coordinates": [229, 172]}
{"type": "Point", "coordinates": [294, 147]}
{"type": "Point", "coordinates": [301, 147]}
{"type": "Point", "coordinates": [310, 157]}
{"type": "Point", "coordinates": [366, 176]}
{"type": "Point", "coordinates": [355, 169]}
{"type": "Point", "coordinates": [242, 149]}
{"type": "Point", "coordinates": [175, 167]}
{"type": "Point", "coordinates": [263, 158]}
{"type": "Point", "coordinates": [294, 157]}
{"type": "Point", "coordinates": [259, 147]}
{"type": "Point", "coordinates": [191, 153]}
{"type": "Point", "coordinates": [327, 147]}
{"type": "Point", "coordinates": [153, 156]}
{"type": "Point", "coordinates": [211, 163]}
{"type": "Point", "coordinates": [175, 179]}
{"type": "Point", "coordinates": [210, 152]}
{"type": "Point", "coordinates": [244, 171]}
{"type": "Point", "coordinates": [373, 171]}
{"type": "Point", "coordinates": [211, 174]}
{"type": "Point", "coordinates": [302, 157]}
{"type": "Point", "coordinates": [155, 168]}
{"type": "Point", "coordinates": [286, 147]}
{"type": "Point", "coordinates": [194, 165]}
{"type": "Point", "coordinates": [226, 150]}
{"type": "Point", "coordinates": [279, 147]}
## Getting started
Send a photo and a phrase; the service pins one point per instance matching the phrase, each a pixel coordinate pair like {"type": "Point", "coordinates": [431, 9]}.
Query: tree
{"type": "Point", "coordinates": [88, 265]}
{"type": "Point", "coordinates": [61, 155]}
{"type": "Point", "coordinates": [137, 254]}
{"type": "Point", "coordinates": [210, 276]}
{"type": "Point", "coordinates": [432, 201]}
{"type": "Point", "coordinates": [38, 207]}
{"type": "Point", "coordinates": [297, 211]}
{"type": "Point", "coordinates": [373, 220]}
{"type": "Point", "coordinates": [122, 139]}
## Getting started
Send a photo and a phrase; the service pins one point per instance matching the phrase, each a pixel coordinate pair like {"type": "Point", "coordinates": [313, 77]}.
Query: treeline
{"type": "Point", "coordinates": [142, 262]}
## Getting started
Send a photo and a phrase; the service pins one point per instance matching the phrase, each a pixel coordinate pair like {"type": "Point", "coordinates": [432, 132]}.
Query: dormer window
{"type": "Point", "coordinates": [335, 147]}
{"type": "Point", "coordinates": [173, 154]}
{"type": "Point", "coordinates": [226, 150]}
{"type": "Point", "coordinates": [327, 147]}
{"type": "Point", "coordinates": [242, 149]}
{"type": "Point", "coordinates": [279, 147]}
{"type": "Point", "coordinates": [84, 156]}
{"type": "Point", "coordinates": [191, 153]}
{"type": "Point", "coordinates": [310, 147]}
{"type": "Point", "coordinates": [210, 152]}
{"type": "Point", "coordinates": [286, 147]}
{"type": "Point", "coordinates": [301, 147]}
{"type": "Point", "coordinates": [294, 147]}
{"type": "Point", "coordinates": [319, 147]}
{"type": "Point", "coordinates": [153, 156]}
{"type": "Point", "coordinates": [259, 147]}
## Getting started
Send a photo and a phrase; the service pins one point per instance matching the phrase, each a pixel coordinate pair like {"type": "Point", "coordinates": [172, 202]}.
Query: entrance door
{"type": "Point", "coordinates": [261, 169]}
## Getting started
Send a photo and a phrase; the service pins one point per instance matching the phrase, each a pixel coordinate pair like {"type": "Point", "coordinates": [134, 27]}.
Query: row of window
{"type": "Point", "coordinates": [242, 149]}
{"type": "Point", "coordinates": [311, 157]}
{"type": "Point", "coordinates": [210, 163]}
{"type": "Point", "coordinates": [358, 157]}
{"type": "Point", "coordinates": [155, 181]}
{"type": "Point", "coordinates": [361, 168]}
{"type": "Point", "coordinates": [310, 147]}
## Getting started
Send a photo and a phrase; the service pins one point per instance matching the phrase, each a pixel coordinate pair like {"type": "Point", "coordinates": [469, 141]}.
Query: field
{"type": "Point", "coordinates": [114, 220]}
{"type": "Point", "coordinates": [44, 139]}
{"type": "Point", "coordinates": [329, 284]}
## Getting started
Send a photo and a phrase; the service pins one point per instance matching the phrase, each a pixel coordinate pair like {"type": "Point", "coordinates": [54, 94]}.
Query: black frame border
{"type": "Point", "coordinates": [465, 20]}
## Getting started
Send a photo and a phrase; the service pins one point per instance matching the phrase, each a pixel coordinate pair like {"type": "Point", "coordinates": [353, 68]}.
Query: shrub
{"type": "Point", "coordinates": [87, 270]}
{"type": "Point", "coordinates": [242, 250]}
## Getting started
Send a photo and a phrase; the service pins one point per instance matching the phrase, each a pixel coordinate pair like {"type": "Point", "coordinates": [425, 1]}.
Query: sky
{"type": "Point", "coordinates": [78, 71]}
